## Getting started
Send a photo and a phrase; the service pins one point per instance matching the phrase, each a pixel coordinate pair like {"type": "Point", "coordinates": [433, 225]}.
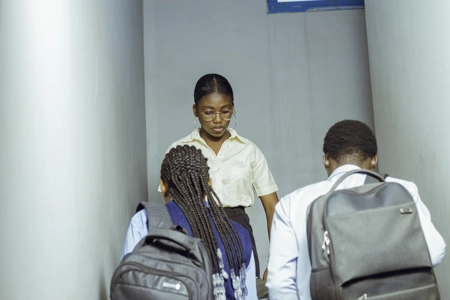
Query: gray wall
{"type": "Point", "coordinates": [410, 70]}
{"type": "Point", "coordinates": [294, 75]}
{"type": "Point", "coordinates": [73, 151]}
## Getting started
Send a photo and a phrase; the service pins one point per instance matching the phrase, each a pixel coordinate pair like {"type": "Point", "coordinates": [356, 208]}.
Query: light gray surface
{"type": "Point", "coordinates": [73, 151]}
{"type": "Point", "coordinates": [293, 75]}
{"type": "Point", "coordinates": [410, 68]}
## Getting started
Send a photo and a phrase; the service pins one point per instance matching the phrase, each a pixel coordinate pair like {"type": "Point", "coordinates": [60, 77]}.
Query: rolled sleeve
{"type": "Point", "coordinates": [262, 178]}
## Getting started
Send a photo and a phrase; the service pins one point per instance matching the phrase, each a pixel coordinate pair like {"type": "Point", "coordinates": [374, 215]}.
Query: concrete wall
{"type": "Point", "coordinates": [294, 75]}
{"type": "Point", "coordinates": [73, 151]}
{"type": "Point", "coordinates": [409, 47]}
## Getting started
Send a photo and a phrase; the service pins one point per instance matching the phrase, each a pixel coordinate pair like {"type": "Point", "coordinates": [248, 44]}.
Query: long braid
{"type": "Point", "coordinates": [185, 171]}
{"type": "Point", "coordinates": [226, 230]}
{"type": "Point", "coordinates": [180, 166]}
{"type": "Point", "coordinates": [233, 244]}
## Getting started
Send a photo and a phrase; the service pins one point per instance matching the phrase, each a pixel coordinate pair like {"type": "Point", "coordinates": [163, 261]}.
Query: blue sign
{"type": "Point", "coordinates": [287, 6]}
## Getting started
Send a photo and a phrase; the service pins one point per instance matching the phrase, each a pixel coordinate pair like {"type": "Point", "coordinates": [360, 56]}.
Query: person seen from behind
{"type": "Point", "coordinates": [348, 145]}
{"type": "Point", "coordinates": [194, 205]}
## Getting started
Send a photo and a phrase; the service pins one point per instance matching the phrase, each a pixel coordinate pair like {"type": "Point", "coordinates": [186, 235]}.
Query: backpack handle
{"type": "Point", "coordinates": [181, 239]}
{"type": "Point", "coordinates": [349, 173]}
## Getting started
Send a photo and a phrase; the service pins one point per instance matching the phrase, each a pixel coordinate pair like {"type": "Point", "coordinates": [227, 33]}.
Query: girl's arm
{"type": "Point", "coordinates": [269, 201]}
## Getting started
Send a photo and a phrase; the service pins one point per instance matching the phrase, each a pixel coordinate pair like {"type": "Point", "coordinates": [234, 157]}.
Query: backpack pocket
{"type": "Point", "coordinates": [138, 282]}
{"type": "Point", "coordinates": [376, 241]}
{"type": "Point", "coordinates": [425, 292]}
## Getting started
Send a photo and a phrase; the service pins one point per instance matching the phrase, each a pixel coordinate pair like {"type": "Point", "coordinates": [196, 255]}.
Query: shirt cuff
{"type": "Point", "coordinates": [266, 190]}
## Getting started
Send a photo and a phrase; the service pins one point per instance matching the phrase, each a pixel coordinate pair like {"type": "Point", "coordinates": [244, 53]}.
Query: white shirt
{"type": "Point", "coordinates": [138, 229]}
{"type": "Point", "coordinates": [289, 264]}
{"type": "Point", "coordinates": [237, 167]}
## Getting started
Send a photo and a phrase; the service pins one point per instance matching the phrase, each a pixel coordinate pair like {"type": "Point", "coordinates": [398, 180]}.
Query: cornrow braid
{"type": "Point", "coordinates": [186, 173]}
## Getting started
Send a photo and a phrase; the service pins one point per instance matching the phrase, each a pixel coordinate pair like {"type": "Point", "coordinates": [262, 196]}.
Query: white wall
{"type": "Point", "coordinates": [409, 47]}
{"type": "Point", "coordinates": [294, 75]}
{"type": "Point", "coordinates": [73, 151]}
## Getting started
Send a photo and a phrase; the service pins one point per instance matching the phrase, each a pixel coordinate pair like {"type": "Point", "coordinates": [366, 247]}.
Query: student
{"type": "Point", "coordinates": [193, 204]}
{"type": "Point", "coordinates": [236, 164]}
{"type": "Point", "coordinates": [348, 145]}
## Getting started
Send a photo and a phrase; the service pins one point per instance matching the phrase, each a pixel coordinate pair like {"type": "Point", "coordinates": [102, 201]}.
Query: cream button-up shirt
{"type": "Point", "coordinates": [238, 168]}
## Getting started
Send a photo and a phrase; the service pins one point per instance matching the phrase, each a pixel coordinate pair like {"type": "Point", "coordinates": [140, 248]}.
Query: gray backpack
{"type": "Point", "coordinates": [367, 243]}
{"type": "Point", "coordinates": [166, 264]}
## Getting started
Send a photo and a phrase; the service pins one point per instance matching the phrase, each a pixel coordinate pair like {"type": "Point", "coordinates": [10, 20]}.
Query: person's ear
{"type": "Point", "coordinates": [194, 110]}
{"type": "Point", "coordinates": [373, 162]}
{"type": "Point", "coordinates": [209, 181]}
{"type": "Point", "coordinates": [326, 162]}
{"type": "Point", "coordinates": [164, 187]}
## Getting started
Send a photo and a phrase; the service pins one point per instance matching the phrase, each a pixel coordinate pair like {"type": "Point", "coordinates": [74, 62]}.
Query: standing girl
{"type": "Point", "coordinates": [236, 164]}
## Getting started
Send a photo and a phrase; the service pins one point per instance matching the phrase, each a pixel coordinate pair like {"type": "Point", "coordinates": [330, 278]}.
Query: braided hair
{"type": "Point", "coordinates": [349, 140]}
{"type": "Point", "coordinates": [185, 171]}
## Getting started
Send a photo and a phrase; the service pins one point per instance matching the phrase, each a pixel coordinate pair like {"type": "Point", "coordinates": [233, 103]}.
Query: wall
{"type": "Point", "coordinates": [410, 70]}
{"type": "Point", "coordinates": [73, 154]}
{"type": "Point", "coordinates": [293, 75]}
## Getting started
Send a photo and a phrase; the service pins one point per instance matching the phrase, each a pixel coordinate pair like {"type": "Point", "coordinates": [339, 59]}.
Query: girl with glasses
{"type": "Point", "coordinates": [236, 164]}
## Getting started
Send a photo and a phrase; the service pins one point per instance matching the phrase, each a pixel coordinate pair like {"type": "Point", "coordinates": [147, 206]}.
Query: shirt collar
{"type": "Point", "coordinates": [195, 135]}
{"type": "Point", "coordinates": [341, 170]}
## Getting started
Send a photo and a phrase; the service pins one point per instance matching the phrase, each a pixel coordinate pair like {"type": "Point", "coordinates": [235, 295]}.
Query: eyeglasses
{"type": "Point", "coordinates": [209, 114]}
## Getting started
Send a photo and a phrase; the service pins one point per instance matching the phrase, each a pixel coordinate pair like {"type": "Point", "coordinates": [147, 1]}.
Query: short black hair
{"type": "Point", "coordinates": [211, 83]}
{"type": "Point", "coordinates": [350, 138]}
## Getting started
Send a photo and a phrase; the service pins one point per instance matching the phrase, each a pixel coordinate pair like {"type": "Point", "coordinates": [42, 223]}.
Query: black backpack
{"type": "Point", "coordinates": [366, 242]}
{"type": "Point", "coordinates": [166, 264]}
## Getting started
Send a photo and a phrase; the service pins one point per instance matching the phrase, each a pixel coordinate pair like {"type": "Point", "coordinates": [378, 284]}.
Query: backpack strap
{"type": "Point", "coordinates": [157, 215]}
{"type": "Point", "coordinates": [370, 179]}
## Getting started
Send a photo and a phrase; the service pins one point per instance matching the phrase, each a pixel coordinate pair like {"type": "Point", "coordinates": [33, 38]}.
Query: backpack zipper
{"type": "Point", "coordinates": [326, 246]}
{"type": "Point", "coordinates": [326, 243]}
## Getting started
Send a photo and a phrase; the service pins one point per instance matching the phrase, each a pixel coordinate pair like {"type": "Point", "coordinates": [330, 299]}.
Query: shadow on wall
{"type": "Point", "coordinates": [104, 288]}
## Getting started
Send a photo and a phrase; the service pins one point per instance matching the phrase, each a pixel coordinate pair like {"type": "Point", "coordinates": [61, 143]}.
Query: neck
{"type": "Point", "coordinates": [213, 139]}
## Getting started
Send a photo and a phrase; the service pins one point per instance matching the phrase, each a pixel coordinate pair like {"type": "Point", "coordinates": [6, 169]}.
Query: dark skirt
{"type": "Point", "coordinates": [238, 215]}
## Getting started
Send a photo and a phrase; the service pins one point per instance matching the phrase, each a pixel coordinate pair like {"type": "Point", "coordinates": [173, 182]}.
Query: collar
{"type": "Point", "coordinates": [195, 135]}
{"type": "Point", "coordinates": [341, 170]}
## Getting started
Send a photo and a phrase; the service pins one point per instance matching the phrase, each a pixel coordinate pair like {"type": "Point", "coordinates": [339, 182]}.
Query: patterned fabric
{"type": "Point", "coordinates": [178, 218]}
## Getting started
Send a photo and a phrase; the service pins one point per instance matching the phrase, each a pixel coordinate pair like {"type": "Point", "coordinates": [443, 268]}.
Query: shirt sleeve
{"type": "Point", "coordinates": [435, 242]}
{"type": "Point", "coordinates": [262, 178]}
{"type": "Point", "coordinates": [282, 267]}
{"type": "Point", "coordinates": [136, 231]}
{"type": "Point", "coordinates": [250, 280]}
